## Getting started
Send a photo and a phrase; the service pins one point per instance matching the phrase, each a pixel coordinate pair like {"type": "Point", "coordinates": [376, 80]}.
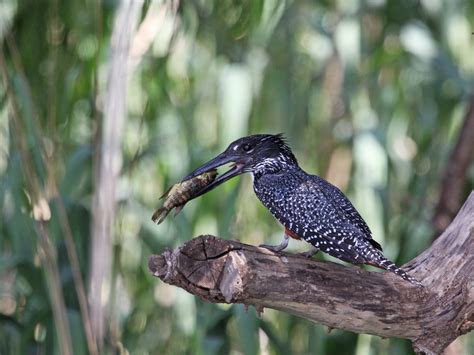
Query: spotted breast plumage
{"type": "Point", "coordinates": [309, 207]}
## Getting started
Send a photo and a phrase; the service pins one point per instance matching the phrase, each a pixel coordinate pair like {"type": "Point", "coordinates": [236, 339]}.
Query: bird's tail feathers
{"type": "Point", "coordinates": [386, 264]}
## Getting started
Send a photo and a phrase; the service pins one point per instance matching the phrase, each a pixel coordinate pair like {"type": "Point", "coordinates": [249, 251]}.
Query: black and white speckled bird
{"type": "Point", "coordinates": [309, 207]}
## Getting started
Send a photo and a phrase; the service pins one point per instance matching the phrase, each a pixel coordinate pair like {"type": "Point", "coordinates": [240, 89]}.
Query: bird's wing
{"type": "Point", "coordinates": [342, 203]}
{"type": "Point", "coordinates": [307, 212]}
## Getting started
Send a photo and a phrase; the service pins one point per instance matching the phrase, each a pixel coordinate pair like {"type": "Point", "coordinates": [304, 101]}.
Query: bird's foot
{"type": "Point", "coordinates": [275, 248]}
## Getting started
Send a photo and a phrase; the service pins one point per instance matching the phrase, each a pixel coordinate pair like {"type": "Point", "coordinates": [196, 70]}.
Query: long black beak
{"type": "Point", "coordinates": [218, 161]}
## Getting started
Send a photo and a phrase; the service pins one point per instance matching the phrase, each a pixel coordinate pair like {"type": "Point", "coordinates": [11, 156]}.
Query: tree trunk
{"type": "Point", "coordinates": [339, 296]}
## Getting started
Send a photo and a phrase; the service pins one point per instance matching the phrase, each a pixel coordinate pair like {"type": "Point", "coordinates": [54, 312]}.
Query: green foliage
{"type": "Point", "coordinates": [371, 95]}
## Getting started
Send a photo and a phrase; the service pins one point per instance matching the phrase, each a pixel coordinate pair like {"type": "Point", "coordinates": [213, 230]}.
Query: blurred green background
{"type": "Point", "coordinates": [370, 94]}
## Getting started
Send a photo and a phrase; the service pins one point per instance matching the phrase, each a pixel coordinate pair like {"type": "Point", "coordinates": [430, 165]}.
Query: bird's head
{"type": "Point", "coordinates": [259, 154]}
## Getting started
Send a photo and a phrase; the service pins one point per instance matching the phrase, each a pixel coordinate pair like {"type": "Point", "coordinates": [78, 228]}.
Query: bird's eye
{"type": "Point", "coordinates": [246, 147]}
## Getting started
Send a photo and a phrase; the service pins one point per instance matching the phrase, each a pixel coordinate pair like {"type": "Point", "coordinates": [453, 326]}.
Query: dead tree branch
{"type": "Point", "coordinates": [343, 297]}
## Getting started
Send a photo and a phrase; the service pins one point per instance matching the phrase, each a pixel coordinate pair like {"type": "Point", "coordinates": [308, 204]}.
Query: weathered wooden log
{"type": "Point", "coordinates": [339, 296]}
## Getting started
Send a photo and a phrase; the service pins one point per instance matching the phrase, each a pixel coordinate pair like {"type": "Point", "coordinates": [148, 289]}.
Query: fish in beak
{"type": "Point", "coordinates": [224, 158]}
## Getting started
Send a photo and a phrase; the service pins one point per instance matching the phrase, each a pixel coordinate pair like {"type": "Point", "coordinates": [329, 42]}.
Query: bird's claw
{"type": "Point", "coordinates": [275, 248]}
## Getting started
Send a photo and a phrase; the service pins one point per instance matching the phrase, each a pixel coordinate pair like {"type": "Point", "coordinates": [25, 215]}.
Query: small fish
{"type": "Point", "coordinates": [180, 193]}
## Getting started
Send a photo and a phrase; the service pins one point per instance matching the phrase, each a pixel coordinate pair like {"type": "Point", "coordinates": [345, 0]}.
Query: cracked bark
{"type": "Point", "coordinates": [339, 296]}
